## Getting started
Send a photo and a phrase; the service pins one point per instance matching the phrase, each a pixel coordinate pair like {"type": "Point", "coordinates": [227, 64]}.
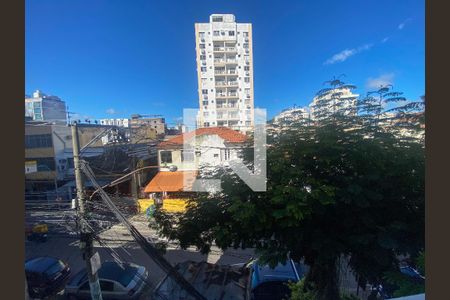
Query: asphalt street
{"type": "Point", "coordinates": [116, 242]}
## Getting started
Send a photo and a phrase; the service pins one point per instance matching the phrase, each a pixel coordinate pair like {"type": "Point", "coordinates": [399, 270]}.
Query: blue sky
{"type": "Point", "coordinates": [115, 58]}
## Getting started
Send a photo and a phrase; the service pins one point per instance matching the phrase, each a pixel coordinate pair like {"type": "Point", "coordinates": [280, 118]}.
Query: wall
{"type": "Point", "coordinates": [211, 152]}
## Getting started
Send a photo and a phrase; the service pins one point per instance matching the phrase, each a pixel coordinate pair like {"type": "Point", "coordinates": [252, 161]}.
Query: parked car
{"type": "Point", "coordinates": [386, 290]}
{"type": "Point", "coordinates": [271, 283]}
{"type": "Point", "coordinates": [117, 281]}
{"type": "Point", "coordinates": [46, 276]}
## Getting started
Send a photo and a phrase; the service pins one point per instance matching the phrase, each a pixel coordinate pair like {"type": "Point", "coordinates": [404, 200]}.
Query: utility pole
{"type": "Point", "coordinates": [86, 240]}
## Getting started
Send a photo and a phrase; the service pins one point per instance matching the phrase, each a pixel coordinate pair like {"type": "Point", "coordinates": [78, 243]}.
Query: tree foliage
{"type": "Point", "coordinates": [339, 187]}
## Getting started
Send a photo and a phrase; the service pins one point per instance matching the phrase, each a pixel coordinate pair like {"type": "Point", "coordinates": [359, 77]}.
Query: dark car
{"type": "Point", "coordinates": [386, 290]}
{"type": "Point", "coordinates": [117, 281]}
{"type": "Point", "coordinates": [271, 283]}
{"type": "Point", "coordinates": [46, 276]}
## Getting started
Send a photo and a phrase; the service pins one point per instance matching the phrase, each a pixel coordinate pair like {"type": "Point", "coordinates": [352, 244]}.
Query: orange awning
{"type": "Point", "coordinates": [171, 182]}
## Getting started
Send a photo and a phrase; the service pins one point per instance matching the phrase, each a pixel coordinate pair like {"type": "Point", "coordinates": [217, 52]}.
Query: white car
{"type": "Point", "coordinates": [116, 282]}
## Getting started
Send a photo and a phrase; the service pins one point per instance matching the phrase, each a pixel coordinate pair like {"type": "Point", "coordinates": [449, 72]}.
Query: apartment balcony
{"type": "Point", "coordinates": [226, 83]}
{"type": "Point", "coordinates": [221, 83]}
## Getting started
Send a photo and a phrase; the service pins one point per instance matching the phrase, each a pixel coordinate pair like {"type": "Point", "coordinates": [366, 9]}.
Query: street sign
{"type": "Point", "coordinates": [95, 263]}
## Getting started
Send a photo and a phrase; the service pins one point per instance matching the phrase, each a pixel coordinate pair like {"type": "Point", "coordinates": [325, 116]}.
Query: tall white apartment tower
{"type": "Point", "coordinates": [225, 73]}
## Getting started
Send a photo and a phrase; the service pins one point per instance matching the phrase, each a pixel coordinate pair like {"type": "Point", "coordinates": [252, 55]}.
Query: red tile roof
{"type": "Point", "coordinates": [229, 135]}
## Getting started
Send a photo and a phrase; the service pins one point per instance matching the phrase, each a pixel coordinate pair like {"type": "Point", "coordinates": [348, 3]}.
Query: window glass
{"type": "Point", "coordinates": [54, 269]}
{"type": "Point", "coordinates": [106, 286]}
{"type": "Point", "coordinates": [166, 156]}
{"type": "Point", "coordinates": [38, 141]}
{"type": "Point", "coordinates": [187, 155]}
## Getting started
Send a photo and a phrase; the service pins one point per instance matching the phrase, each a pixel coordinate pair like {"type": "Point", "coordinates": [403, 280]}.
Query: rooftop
{"type": "Point", "coordinates": [227, 134]}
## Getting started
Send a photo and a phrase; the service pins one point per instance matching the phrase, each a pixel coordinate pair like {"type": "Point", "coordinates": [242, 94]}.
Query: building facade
{"type": "Point", "coordinates": [189, 152]}
{"type": "Point", "coordinates": [49, 155]}
{"type": "Point", "coordinates": [42, 107]}
{"type": "Point", "coordinates": [225, 73]}
{"type": "Point", "coordinates": [292, 115]}
{"type": "Point", "coordinates": [333, 100]}
{"type": "Point", "coordinates": [156, 124]}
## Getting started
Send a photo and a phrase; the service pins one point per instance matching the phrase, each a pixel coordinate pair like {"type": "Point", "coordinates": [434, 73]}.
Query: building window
{"type": "Point", "coordinates": [202, 57]}
{"type": "Point", "coordinates": [247, 79]}
{"type": "Point", "coordinates": [201, 35]}
{"type": "Point", "coordinates": [205, 92]}
{"type": "Point", "coordinates": [231, 33]}
{"type": "Point", "coordinates": [247, 68]}
{"type": "Point", "coordinates": [206, 124]}
{"type": "Point", "coordinates": [44, 164]}
{"type": "Point", "coordinates": [202, 46]}
{"type": "Point", "coordinates": [187, 155]}
{"type": "Point", "coordinates": [205, 103]}
{"type": "Point", "coordinates": [222, 32]}
{"type": "Point", "coordinates": [203, 69]}
{"type": "Point", "coordinates": [245, 34]}
{"type": "Point", "coordinates": [38, 141]}
{"type": "Point", "coordinates": [245, 45]}
{"type": "Point", "coordinates": [217, 19]}
{"type": "Point", "coordinates": [216, 33]}
{"type": "Point", "coordinates": [225, 154]}
{"type": "Point", "coordinates": [166, 157]}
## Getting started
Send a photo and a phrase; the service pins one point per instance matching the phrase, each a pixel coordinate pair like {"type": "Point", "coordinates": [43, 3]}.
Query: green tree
{"type": "Point", "coordinates": [334, 189]}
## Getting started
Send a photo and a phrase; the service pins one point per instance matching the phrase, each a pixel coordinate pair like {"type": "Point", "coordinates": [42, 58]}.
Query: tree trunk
{"type": "Point", "coordinates": [323, 278]}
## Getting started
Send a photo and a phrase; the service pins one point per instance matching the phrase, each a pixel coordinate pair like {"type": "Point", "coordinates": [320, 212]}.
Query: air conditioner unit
{"type": "Point", "coordinates": [203, 62]}
{"type": "Point", "coordinates": [203, 52]}
{"type": "Point", "coordinates": [202, 39]}
{"type": "Point", "coordinates": [247, 73]}
{"type": "Point", "coordinates": [247, 51]}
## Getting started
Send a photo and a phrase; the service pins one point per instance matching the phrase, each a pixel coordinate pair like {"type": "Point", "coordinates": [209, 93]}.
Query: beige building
{"type": "Point", "coordinates": [225, 73]}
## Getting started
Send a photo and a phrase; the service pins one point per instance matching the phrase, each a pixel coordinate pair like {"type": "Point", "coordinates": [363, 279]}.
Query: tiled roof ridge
{"type": "Point", "coordinates": [225, 133]}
